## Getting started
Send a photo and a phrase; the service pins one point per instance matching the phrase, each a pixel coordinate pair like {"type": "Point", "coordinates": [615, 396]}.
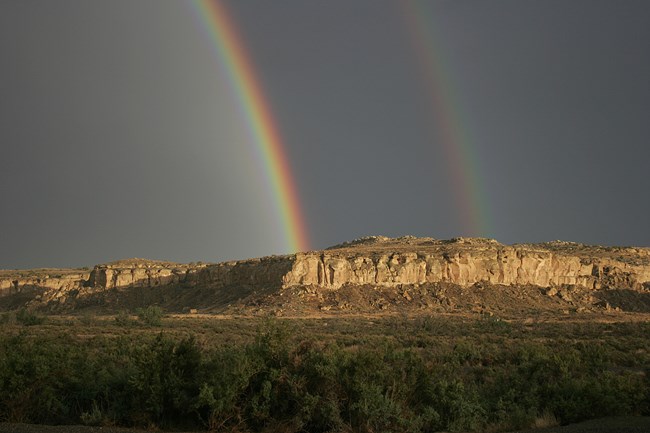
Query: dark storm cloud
{"type": "Point", "coordinates": [120, 136]}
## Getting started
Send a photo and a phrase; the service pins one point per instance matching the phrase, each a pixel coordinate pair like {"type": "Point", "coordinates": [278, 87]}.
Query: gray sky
{"type": "Point", "coordinates": [121, 136]}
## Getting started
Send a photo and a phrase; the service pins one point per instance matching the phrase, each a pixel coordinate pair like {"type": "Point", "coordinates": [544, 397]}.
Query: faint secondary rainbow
{"type": "Point", "coordinates": [453, 132]}
{"type": "Point", "coordinates": [229, 48]}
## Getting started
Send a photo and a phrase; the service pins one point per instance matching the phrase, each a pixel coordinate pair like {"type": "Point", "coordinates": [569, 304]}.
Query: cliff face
{"type": "Point", "coordinates": [470, 263]}
{"type": "Point", "coordinates": [140, 273]}
{"type": "Point", "coordinates": [58, 287]}
{"type": "Point", "coordinates": [46, 279]}
{"type": "Point", "coordinates": [378, 262]}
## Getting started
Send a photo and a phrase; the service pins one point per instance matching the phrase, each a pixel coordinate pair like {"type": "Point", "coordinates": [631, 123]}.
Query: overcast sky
{"type": "Point", "coordinates": [121, 137]}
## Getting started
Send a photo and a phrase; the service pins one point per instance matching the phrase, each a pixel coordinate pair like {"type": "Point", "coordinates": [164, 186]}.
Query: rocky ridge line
{"type": "Point", "coordinates": [372, 262]}
{"type": "Point", "coordinates": [466, 261]}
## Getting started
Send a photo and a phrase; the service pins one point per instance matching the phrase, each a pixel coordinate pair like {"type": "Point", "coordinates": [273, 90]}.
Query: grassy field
{"type": "Point", "coordinates": [355, 374]}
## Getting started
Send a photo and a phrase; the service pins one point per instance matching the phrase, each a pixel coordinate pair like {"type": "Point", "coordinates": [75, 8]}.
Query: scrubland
{"type": "Point", "coordinates": [395, 373]}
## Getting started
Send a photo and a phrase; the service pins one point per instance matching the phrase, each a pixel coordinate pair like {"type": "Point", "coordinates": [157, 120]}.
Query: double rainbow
{"type": "Point", "coordinates": [229, 48]}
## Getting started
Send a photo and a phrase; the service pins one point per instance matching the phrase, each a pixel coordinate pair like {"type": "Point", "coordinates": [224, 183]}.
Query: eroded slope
{"type": "Point", "coordinates": [372, 274]}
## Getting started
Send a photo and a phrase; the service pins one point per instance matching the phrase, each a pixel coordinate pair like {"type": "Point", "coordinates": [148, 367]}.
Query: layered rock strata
{"type": "Point", "coordinates": [374, 261]}
{"type": "Point", "coordinates": [469, 261]}
{"type": "Point", "coordinates": [48, 286]}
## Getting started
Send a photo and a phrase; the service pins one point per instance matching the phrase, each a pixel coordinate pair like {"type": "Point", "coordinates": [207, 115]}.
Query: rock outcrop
{"type": "Point", "coordinates": [58, 287]}
{"type": "Point", "coordinates": [374, 262]}
{"type": "Point", "coordinates": [389, 262]}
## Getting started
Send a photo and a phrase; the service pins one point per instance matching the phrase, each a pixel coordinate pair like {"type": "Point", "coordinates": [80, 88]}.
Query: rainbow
{"type": "Point", "coordinates": [230, 50]}
{"type": "Point", "coordinates": [451, 131]}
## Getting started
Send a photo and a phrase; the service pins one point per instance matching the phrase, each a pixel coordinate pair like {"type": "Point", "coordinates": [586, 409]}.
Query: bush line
{"type": "Point", "coordinates": [279, 384]}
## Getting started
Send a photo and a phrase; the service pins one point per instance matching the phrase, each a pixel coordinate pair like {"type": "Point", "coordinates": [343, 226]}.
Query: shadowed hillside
{"type": "Point", "coordinates": [368, 275]}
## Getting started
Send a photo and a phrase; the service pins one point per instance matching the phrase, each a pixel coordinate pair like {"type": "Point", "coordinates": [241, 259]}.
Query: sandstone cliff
{"type": "Point", "coordinates": [403, 266]}
{"type": "Point", "coordinates": [125, 282]}
{"type": "Point", "coordinates": [390, 262]}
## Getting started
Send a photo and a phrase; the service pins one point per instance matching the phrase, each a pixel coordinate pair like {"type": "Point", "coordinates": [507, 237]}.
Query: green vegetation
{"type": "Point", "coordinates": [122, 319]}
{"type": "Point", "coordinates": [358, 375]}
{"type": "Point", "coordinates": [151, 316]}
{"type": "Point", "coordinates": [29, 318]}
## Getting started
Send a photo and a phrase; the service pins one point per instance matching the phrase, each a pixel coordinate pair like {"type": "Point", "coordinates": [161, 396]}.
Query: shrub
{"type": "Point", "coordinates": [122, 319]}
{"type": "Point", "coordinates": [28, 318]}
{"type": "Point", "coordinates": [151, 316]}
{"type": "Point", "coordinates": [94, 417]}
{"type": "Point", "coordinates": [164, 381]}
